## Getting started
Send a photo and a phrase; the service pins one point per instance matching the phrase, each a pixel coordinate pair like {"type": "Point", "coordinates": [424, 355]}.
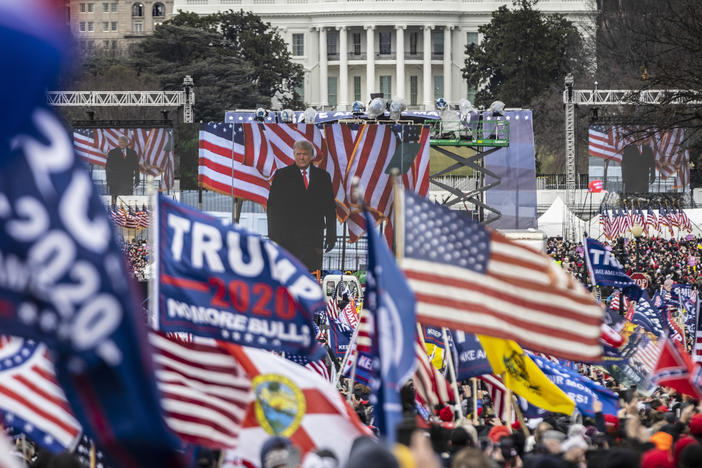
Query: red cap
{"type": "Point", "coordinates": [498, 432]}
{"type": "Point", "coordinates": [662, 409]}
{"type": "Point", "coordinates": [656, 459]}
{"type": "Point", "coordinates": [446, 415]}
{"type": "Point", "coordinates": [516, 426]}
{"type": "Point", "coordinates": [696, 425]}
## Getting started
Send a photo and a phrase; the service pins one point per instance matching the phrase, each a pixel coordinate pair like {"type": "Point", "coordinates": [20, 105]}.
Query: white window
{"type": "Point", "coordinates": [91, 7]}
{"type": "Point", "coordinates": [82, 26]}
{"type": "Point", "coordinates": [105, 26]}
{"type": "Point", "coordinates": [386, 86]}
{"type": "Point", "coordinates": [437, 43]}
{"type": "Point", "coordinates": [91, 26]}
{"type": "Point", "coordinates": [138, 27]}
{"type": "Point", "coordinates": [472, 38]}
{"type": "Point", "coordinates": [137, 10]}
{"type": "Point", "coordinates": [438, 86]}
{"type": "Point", "coordinates": [114, 25]}
{"type": "Point", "coordinates": [356, 88]}
{"type": "Point", "coordinates": [105, 7]}
{"type": "Point", "coordinates": [414, 89]}
{"type": "Point", "coordinates": [82, 10]}
{"type": "Point", "coordinates": [158, 10]}
{"type": "Point", "coordinates": [331, 89]}
{"type": "Point", "coordinates": [298, 45]}
{"type": "Point", "coordinates": [331, 43]}
{"type": "Point", "coordinates": [113, 6]}
{"type": "Point", "coordinates": [385, 42]}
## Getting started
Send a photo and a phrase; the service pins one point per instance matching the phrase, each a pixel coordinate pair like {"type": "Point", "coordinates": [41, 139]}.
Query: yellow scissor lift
{"type": "Point", "coordinates": [484, 137]}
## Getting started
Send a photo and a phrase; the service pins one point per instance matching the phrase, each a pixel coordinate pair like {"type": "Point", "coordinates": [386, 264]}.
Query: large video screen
{"type": "Point", "coordinates": [121, 158]}
{"type": "Point", "coordinates": [628, 160]}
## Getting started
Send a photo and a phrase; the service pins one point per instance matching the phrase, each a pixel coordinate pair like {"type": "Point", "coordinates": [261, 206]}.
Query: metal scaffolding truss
{"type": "Point", "coordinates": [185, 98]}
{"type": "Point", "coordinates": [116, 98]}
{"type": "Point", "coordinates": [627, 97]}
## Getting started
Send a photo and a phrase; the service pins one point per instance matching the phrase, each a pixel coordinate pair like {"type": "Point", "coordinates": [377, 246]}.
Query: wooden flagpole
{"type": "Point", "coordinates": [520, 417]}
{"type": "Point", "coordinates": [452, 372]}
{"type": "Point", "coordinates": [474, 383]}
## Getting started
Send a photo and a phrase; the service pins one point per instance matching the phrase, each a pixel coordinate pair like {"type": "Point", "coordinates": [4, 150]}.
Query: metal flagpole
{"type": "Point", "coordinates": [474, 383]}
{"type": "Point", "coordinates": [452, 372]}
{"type": "Point", "coordinates": [153, 254]}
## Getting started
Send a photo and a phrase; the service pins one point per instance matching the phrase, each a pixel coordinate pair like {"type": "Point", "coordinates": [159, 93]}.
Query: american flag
{"type": "Point", "coordinates": [651, 221]}
{"type": "Point", "coordinates": [341, 143]}
{"type": "Point", "coordinates": [143, 216]}
{"type": "Point", "coordinates": [503, 408]}
{"type": "Point", "coordinates": [647, 353]}
{"type": "Point", "coordinates": [349, 316]}
{"type": "Point", "coordinates": [269, 146]}
{"type": "Point", "coordinates": [31, 399]}
{"type": "Point", "coordinates": [205, 392]}
{"type": "Point", "coordinates": [364, 341]}
{"type": "Point", "coordinates": [332, 305]}
{"type": "Point", "coordinates": [431, 386]}
{"type": "Point", "coordinates": [685, 222]}
{"type": "Point", "coordinates": [376, 147]}
{"type": "Point", "coordinates": [221, 166]}
{"type": "Point", "coordinates": [318, 367]}
{"type": "Point", "coordinates": [672, 159]}
{"type": "Point", "coordinates": [605, 224]}
{"type": "Point", "coordinates": [468, 277]}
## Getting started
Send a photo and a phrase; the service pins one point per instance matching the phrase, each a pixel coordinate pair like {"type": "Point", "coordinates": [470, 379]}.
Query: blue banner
{"type": "Point", "coordinates": [579, 388]}
{"type": "Point", "coordinates": [433, 335]}
{"type": "Point", "coordinates": [392, 307]}
{"type": "Point", "coordinates": [647, 316]}
{"type": "Point", "coordinates": [469, 356]}
{"type": "Point", "coordinates": [339, 337]}
{"type": "Point", "coordinates": [227, 283]}
{"type": "Point", "coordinates": [605, 269]}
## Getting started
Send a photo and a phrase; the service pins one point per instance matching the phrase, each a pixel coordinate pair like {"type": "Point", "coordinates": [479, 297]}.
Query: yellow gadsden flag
{"type": "Point", "coordinates": [521, 375]}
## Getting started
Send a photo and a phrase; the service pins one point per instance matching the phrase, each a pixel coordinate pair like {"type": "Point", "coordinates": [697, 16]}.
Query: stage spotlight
{"type": "Point", "coordinates": [310, 115]}
{"type": "Point", "coordinates": [376, 108]}
{"type": "Point", "coordinates": [466, 108]}
{"type": "Point", "coordinates": [397, 106]}
{"type": "Point", "coordinates": [358, 108]}
{"type": "Point", "coordinates": [287, 115]}
{"type": "Point", "coordinates": [441, 104]}
{"type": "Point", "coordinates": [497, 108]}
{"type": "Point", "coordinates": [261, 114]}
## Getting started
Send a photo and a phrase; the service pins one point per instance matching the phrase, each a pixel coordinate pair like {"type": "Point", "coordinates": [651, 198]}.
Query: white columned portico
{"type": "Point", "coordinates": [400, 62]}
{"type": "Point", "coordinates": [448, 90]}
{"type": "Point", "coordinates": [426, 69]}
{"type": "Point", "coordinates": [323, 68]}
{"type": "Point", "coordinates": [370, 61]}
{"type": "Point", "coordinates": [343, 91]}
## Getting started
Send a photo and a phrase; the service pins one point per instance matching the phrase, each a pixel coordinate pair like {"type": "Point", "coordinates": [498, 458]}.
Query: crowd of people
{"type": "Point", "coordinates": [137, 254]}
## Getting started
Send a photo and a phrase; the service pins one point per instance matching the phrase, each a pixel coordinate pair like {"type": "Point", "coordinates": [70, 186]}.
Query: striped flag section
{"type": "Point", "coordinates": [30, 397]}
{"type": "Point", "coordinates": [204, 391]}
{"type": "Point", "coordinates": [498, 395]}
{"type": "Point", "coordinates": [318, 367]}
{"type": "Point", "coordinates": [332, 305]}
{"type": "Point", "coordinates": [467, 277]}
{"type": "Point", "coordinates": [431, 386]}
{"type": "Point", "coordinates": [221, 164]}
{"type": "Point", "coordinates": [647, 353]}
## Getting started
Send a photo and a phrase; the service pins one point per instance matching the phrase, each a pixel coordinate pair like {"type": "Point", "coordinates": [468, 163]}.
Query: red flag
{"type": "Point", "coordinates": [595, 186]}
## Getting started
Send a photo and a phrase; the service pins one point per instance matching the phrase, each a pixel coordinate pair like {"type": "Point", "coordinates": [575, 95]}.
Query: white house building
{"type": "Point", "coordinates": [414, 49]}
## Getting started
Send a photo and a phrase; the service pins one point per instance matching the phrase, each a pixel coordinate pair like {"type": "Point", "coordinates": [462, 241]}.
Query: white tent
{"type": "Point", "coordinates": [556, 221]}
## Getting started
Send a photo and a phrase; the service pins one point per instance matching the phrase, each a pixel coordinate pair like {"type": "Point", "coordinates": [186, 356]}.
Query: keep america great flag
{"type": "Point", "coordinates": [472, 278]}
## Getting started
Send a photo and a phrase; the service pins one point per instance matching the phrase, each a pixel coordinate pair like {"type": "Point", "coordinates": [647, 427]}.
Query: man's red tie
{"type": "Point", "coordinates": [304, 177]}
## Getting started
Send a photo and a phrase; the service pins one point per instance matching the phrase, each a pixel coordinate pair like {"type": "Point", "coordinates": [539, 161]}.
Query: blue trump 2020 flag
{"type": "Point", "coordinates": [579, 388]}
{"type": "Point", "coordinates": [392, 307]}
{"type": "Point", "coordinates": [63, 280]}
{"type": "Point", "coordinates": [647, 316]}
{"type": "Point", "coordinates": [605, 269]}
{"type": "Point", "coordinates": [339, 337]}
{"type": "Point", "coordinates": [469, 355]}
{"type": "Point", "coordinates": [227, 283]}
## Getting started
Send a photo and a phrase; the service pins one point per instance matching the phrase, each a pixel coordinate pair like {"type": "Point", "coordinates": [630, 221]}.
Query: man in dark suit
{"type": "Point", "coordinates": [122, 169]}
{"type": "Point", "coordinates": [300, 206]}
{"type": "Point", "coordinates": [638, 168]}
